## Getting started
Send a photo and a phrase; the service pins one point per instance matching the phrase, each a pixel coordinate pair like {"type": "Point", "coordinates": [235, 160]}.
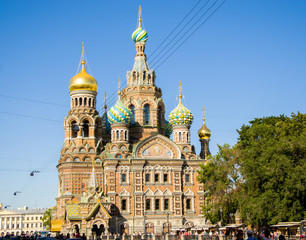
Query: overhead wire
{"type": "Point", "coordinates": [190, 34]}
{"type": "Point", "coordinates": [32, 100]}
{"type": "Point", "coordinates": [183, 29]}
{"type": "Point", "coordinates": [152, 54]}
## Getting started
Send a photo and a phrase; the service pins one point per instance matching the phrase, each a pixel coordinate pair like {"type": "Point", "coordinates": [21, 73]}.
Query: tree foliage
{"type": "Point", "coordinates": [221, 175]}
{"type": "Point", "coordinates": [46, 219]}
{"type": "Point", "coordinates": [263, 175]}
{"type": "Point", "coordinates": [272, 152]}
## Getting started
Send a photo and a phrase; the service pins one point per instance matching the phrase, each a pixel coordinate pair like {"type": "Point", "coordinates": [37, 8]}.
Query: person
{"type": "Point", "coordinates": [84, 237]}
{"type": "Point", "coordinates": [250, 235]}
{"type": "Point", "coordinates": [239, 235]}
{"type": "Point", "coordinates": [281, 237]}
{"type": "Point", "coordinates": [266, 235]}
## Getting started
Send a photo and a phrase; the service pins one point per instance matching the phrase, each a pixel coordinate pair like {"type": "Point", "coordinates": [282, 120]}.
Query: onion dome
{"type": "Point", "coordinates": [119, 113]}
{"type": "Point", "coordinates": [204, 132]}
{"type": "Point", "coordinates": [139, 35]}
{"type": "Point", "coordinates": [180, 115]}
{"type": "Point", "coordinates": [83, 81]}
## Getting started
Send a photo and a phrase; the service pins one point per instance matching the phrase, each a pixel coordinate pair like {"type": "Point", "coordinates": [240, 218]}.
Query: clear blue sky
{"type": "Point", "coordinates": [247, 61]}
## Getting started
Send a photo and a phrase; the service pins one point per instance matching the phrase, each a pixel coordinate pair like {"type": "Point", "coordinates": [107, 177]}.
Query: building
{"type": "Point", "coordinates": [21, 221]}
{"type": "Point", "coordinates": [121, 172]}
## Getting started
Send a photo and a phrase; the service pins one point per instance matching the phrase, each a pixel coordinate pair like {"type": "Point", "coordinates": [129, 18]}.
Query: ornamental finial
{"type": "Point", "coordinates": [119, 93]}
{"type": "Point", "coordinates": [203, 111]}
{"type": "Point", "coordinates": [93, 164]}
{"type": "Point", "coordinates": [83, 56]}
{"type": "Point", "coordinates": [139, 17]}
{"type": "Point", "coordinates": [105, 106]}
{"type": "Point", "coordinates": [180, 91]}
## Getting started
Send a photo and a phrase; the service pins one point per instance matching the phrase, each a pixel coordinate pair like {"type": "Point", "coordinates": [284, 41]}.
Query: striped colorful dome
{"type": "Point", "coordinates": [181, 116]}
{"type": "Point", "coordinates": [119, 113]}
{"type": "Point", "coordinates": [140, 35]}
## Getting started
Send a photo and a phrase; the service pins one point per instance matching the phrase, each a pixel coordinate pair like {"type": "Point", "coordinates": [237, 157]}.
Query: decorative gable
{"type": "Point", "coordinates": [157, 147]}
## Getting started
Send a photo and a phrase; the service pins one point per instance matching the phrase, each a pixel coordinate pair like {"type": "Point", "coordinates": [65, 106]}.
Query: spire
{"type": "Point", "coordinates": [92, 180]}
{"type": "Point", "coordinates": [83, 57]}
{"type": "Point", "coordinates": [203, 111]}
{"type": "Point", "coordinates": [119, 93]}
{"type": "Point", "coordinates": [180, 91]}
{"type": "Point", "coordinates": [105, 106]}
{"type": "Point", "coordinates": [139, 17]}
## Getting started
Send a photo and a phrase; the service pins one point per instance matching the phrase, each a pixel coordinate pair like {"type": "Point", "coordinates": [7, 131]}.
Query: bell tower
{"type": "Point", "coordinates": [142, 96]}
{"type": "Point", "coordinates": [83, 138]}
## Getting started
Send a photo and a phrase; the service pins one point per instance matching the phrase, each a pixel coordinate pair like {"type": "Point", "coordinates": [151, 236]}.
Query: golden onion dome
{"type": "Point", "coordinates": [83, 81]}
{"type": "Point", "coordinates": [204, 132]}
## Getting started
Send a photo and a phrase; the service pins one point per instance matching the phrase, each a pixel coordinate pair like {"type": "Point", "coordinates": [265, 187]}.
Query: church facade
{"type": "Point", "coordinates": [120, 172]}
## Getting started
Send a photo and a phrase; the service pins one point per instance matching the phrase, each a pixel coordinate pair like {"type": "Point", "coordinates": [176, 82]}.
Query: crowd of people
{"type": "Point", "coordinates": [205, 235]}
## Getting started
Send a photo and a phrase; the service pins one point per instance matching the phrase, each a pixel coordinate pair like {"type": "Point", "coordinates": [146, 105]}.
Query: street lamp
{"type": "Point", "coordinates": [168, 222]}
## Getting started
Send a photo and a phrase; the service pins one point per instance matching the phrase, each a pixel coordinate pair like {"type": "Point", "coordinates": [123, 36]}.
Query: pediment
{"type": "Point", "coordinates": [158, 192]}
{"type": "Point", "coordinates": [149, 193]}
{"type": "Point", "coordinates": [157, 147]}
{"type": "Point", "coordinates": [98, 212]}
{"type": "Point", "coordinates": [124, 193]}
{"type": "Point", "coordinates": [189, 193]}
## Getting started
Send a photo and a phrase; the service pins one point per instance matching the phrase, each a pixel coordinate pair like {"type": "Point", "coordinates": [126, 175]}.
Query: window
{"type": "Point", "coordinates": [166, 204]}
{"type": "Point", "coordinates": [85, 128]}
{"type": "Point", "coordinates": [156, 177]}
{"type": "Point", "coordinates": [123, 177]}
{"type": "Point", "coordinates": [157, 204]}
{"type": "Point", "coordinates": [148, 204]}
{"type": "Point", "coordinates": [132, 107]}
{"type": "Point", "coordinates": [123, 204]}
{"type": "Point", "coordinates": [147, 114]}
{"type": "Point", "coordinates": [165, 177]}
{"type": "Point", "coordinates": [187, 178]}
{"type": "Point", "coordinates": [147, 177]}
{"type": "Point", "coordinates": [159, 116]}
{"type": "Point", "coordinates": [188, 204]}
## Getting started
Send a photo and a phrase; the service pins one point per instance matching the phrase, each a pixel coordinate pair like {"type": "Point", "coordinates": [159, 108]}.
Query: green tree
{"type": "Point", "coordinates": [222, 179]}
{"type": "Point", "coordinates": [272, 154]}
{"type": "Point", "coordinates": [46, 219]}
{"type": "Point", "coordinates": [262, 176]}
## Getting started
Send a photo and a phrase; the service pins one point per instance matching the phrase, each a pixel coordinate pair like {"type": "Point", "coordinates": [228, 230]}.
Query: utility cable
{"type": "Point", "coordinates": [151, 62]}
{"type": "Point", "coordinates": [192, 33]}
{"type": "Point", "coordinates": [28, 116]}
{"type": "Point", "coordinates": [31, 100]}
{"type": "Point", "coordinates": [152, 54]}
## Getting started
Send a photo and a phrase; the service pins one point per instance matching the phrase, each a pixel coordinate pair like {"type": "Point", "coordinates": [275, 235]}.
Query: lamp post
{"type": "Point", "coordinates": [168, 221]}
{"type": "Point", "coordinates": [144, 225]}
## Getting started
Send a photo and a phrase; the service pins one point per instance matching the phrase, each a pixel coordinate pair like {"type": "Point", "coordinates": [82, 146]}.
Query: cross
{"type": "Point", "coordinates": [139, 16]}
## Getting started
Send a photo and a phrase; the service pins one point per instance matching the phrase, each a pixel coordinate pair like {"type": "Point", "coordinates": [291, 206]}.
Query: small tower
{"type": "Point", "coordinates": [204, 135]}
{"type": "Point", "coordinates": [119, 117]}
{"type": "Point", "coordinates": [181, 119]}
{"type": "Point", "coordinates": [83, 120]}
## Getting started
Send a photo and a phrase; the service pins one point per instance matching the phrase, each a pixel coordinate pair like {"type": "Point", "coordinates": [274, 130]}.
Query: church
{"type": "Point", "coordinates": [119, 171]}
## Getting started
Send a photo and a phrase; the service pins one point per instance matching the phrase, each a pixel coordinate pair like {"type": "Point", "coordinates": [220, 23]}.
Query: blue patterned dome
{"type": "Point", "coordinates": [119, 113]}
{"type": "Point", "coordinates": [181, 115]}
{"type": "Point", "coordinates": [140, 35]}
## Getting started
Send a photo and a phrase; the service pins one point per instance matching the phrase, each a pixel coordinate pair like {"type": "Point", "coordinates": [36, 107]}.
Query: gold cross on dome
{"type": "Point", "coordinates": [139, 16]}
{"type": "Point", "coordinates": [203, 111]}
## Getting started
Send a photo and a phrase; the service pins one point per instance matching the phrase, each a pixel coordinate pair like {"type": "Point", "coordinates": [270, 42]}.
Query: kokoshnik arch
{"type": "Point", "coordinates": [121, 172]}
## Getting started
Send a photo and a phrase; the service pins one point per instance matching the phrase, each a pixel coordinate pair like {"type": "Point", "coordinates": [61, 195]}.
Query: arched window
{"type": "Point", "coordinates": [74, 129]}
{"type": "Point", "coordinates": [93, 103]}
{"type": "Point", "coordinates": [85, 101]}
{"type": "Point", "coordinates": [85, 128]}
{"type": "Point", "coordinates": [180, 136]}
{"type": "Point", "coordinates": [159, 116]}
{"type": "Point", "coordinates": [76, 102]}
{"type": "Point", "coordinates": [132, 107]}
{"type": "Point", "coordinates": [80, 101]}
{"type": "Point", "coordinates": [146, 114]}
{"type": "Point", "coordinates": [117, 135]}
{"type": "Point", "coordinates": [89, 102]}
